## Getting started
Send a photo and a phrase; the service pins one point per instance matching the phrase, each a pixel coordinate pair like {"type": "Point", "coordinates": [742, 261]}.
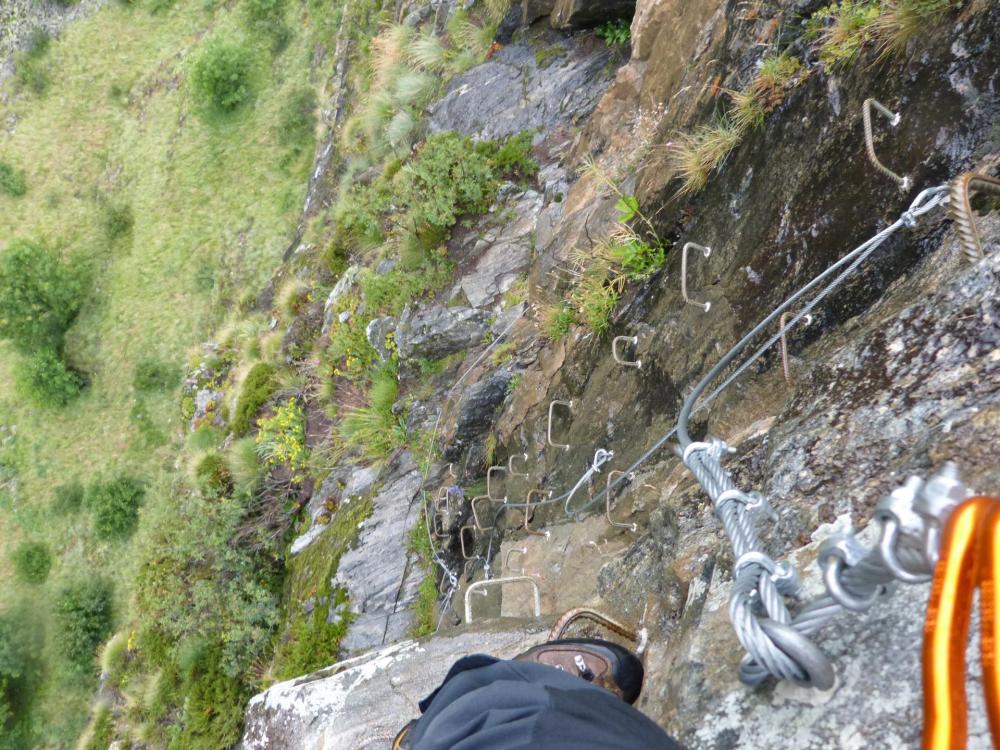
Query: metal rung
{"type": "Point", "coordinates": [500, 581]}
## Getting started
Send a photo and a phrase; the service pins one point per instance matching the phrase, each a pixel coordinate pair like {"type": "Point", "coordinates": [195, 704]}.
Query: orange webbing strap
{"type": "Point", "coordinates": [968, 558]}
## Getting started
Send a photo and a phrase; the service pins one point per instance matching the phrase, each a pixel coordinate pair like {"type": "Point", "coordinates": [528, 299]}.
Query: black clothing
{"type": "Point", "coordinates": [489, 704]}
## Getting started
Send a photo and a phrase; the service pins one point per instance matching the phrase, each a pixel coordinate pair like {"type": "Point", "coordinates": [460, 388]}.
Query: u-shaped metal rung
{"type": "Point", "coordinates": [614, 351]}
{"type": "Point", "coordinates": [515, 473]}
{"type": "Point", "coordinates": [500, 581]}
{"type": "Point", "coordinates": [894, 119]}
{"type": "Point", "coordinates": [438, 526]}
{"type": "Point", "coordinates": [451, 471]}
{"type": "Point", "coordinates": [607, 501]}
{"type": "Point", "coordinates": [552, 406]}
{"type": "Point", "coordinates": [489, 484]}
{"type": "Point", "coordinates": [461, 541]}
{"type": "Point", "coordinates": [782, 321]}
{"type": "Point", "coordinates": [527, 515]}
{"type": "Point", "coordinates": [960, 209]}
{"type": "Point", "coordinates": [442, 497]}
{"type": "Point", "coordinates": [506, 559]}
{"type": "Point", "coordinates": [475, 513]}
{"type": "Point", "coordinates": [706, 251]}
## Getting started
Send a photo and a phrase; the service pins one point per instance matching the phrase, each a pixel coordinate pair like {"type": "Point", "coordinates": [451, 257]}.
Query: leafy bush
{"type": "Point", "coordinates": [298, 117]}
{"type": "Point", "coordinates": [259, 386]}
{"type": "Point", "coordinates": [636, 258]}
{"type": "Point", "coordinates": [84, 617]}
{"type": "Point", "coordinates": [512, 157]}
{"type": "Point", "coordinates": [448, 177]}
{"type": "Point", "coordinates": [68, 497]}
{"type": "Point", "coordinates": [31, 72]}
{"type": "Point", "coordinates": [12, 180]}
{"type": "Point", "coordinates": [118, 221]}
{"type": "Point", "coordinates": [39, 296]}
{"type": "Point", "coordinates": [266, 18]}
{"type": "Point", "coordinates": [212, 475]}
{"type": "Point", "coordinates": [281, 440]}
{"type": "Point", "coordinates": [615, 33]}
{"type": "Point", "coordinates": [155, 375]}
{"type": "Point", "coordinates": [43, 379]}
{"type": "Point", "coordinates": [115, 506]}
{"type": "Point", "coordinates": [221, 74]}
{"type": "Point", "coordinates": [213, 704]}
{"type": "Point", "coordinates": [32, 562]}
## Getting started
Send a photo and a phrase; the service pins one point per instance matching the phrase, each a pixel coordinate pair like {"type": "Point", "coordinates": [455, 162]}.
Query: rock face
{"type": "Point", "coordinates": [439, 331]}
{"type": "Point", "coordinates": [371, 696]}
{"type": "Point", "coordinates": [511, 93]}
{"type": "Point", "coordinates": [581, 14]}
{"type": "Point", "coordinates": [372, 572]}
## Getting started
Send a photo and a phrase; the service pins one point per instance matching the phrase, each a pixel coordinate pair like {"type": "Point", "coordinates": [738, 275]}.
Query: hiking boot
{"type": "Point", "coordinates": [603, 663]}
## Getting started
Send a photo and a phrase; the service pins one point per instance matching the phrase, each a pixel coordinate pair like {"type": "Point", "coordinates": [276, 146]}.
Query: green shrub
{"type": "Point", "coordinates": [259, 386]}
{"type": "Point", "coordinates": [155, 375]}
{"type": "Point", "coordinates": [118, 221]}
{"type": "Point", "coordinates": [637, 259]}
{"type": "Point", "coordinates": [39, 296]}
{"type": "Point", "coordinates": [375, 430]}
{"type": "Point", "coordinates": [281, 440]}
{"type": "Point", "coordinates": [221, 74]}
{"type": "Point", "coordinates": [31, 72]}
{"type": "Point", "coordinates": [312, 642]}
{"type": "Point", "coordinates": [448, 177]}
{"type": "Point", "coordinates": [615, 33]}
{"type": "Point", "coordinates": [115, 506]}
{"type": "Point", "coordinates": [513, 157]}
{"type": "Point", "coordinates": [68, 497]}
{"type": "Point", "coordinates": [84, 617]}
{"type": "Point", "coordinates": [43, 379]}
{"type": "Point", "coordinates": [101, 731]}
{"type": "Point", "coordinates": [213, 704]}
{"type": "Point", "coordinates": [12, 180]}
{"type": "Point", "coordinates": [32, 562]}
{"type": "Point", "coordinates": [213, 476]}
{"type": "Point", "coordinates": [266, 18]}
{"type": "Point", "coordinates": [298, 117]}
{"type": "Point", "coordinates": [557, 321]}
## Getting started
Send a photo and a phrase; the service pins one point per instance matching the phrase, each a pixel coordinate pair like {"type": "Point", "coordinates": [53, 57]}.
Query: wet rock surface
{"type": "Point", "coordinates": [580, 14]}
{"type": "Point", "coordinates": [512, 93]}
{"type": "Point", "coordinates": [439, 331]}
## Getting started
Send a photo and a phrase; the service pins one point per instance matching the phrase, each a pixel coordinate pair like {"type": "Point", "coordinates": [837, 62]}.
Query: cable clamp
{"type": "Point", "coordinates": [784, 576]}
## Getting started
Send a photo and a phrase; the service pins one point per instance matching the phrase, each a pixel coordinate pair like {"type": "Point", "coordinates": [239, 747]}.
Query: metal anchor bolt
{"type": "Point", "coordinates": [894, 120]}
{"type": "Point", "coordinates": [961, 210]}
{"type": "Point", "coordinates": [614, 351]}
{"type": "Point", "coordinates": [552, 406]}
{"type": "Point", "coordinates": [607, 502]}
{"type": "Point", "coordinates": [516, 550]}
{"type": "Point", "coordinates": [510, 466]}
{"type": "Point", "coordinates": [438, 526]}
{"type": "Point", "coordinates": [527, 515]}
{"type": "Point", "coordinates": [451, 471]}
{"type": "Point", "coordinates": [782, 321]}
{"type": "Point", "coordinates": [706, 306]}
{"type": "Point", "coordinates": [475, 513]}
{"type": "Point", "coordinates": [489, 491]}
{"type": "Point", "coordinates": [500, 582]}
{"type": "Point", "coordinates": [461, 541]}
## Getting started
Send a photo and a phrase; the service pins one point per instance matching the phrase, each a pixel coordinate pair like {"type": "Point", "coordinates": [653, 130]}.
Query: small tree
{"type": "Point", "coordinates": [115, 506]}
{"type": "Point", "coordinates": [39, 296]}
{"type": "Point", "coordinates": [32, 562]}
{"type": "Point", "coordinates": [44, 379]}
{"type": "Point", "coordinates": [84, 616]}
{"type": "Point", "coordinates": [221, 74]}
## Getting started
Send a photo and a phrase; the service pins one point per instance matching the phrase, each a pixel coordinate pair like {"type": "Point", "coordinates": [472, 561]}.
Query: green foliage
{"type": "Point", "coordinates": [68, 497]}
{"type": "Point", "coordinates": [84, 618]}
{"type": "Point", "coordinates": [29, 65]}
{"type": "Point", "coordinates": [244, 466]}
{"type": "Point", "coordinates": [388, 293]}
{"type": "Point", "coordinates": [298, 118]}
{"type": "Point", "coordinates": [615, 33]}
{"type": "Point", "coordinates": [118, 221]}
{"type": "Point", "coordinates": [155, 375]}
{"type": "Point", "coordinates": [221, 74]}
{"type": "Point", "coordinates": [448, 177]}
{"type": "Point", "coordinates": [43, 379]}
{"type": "Point", "coordinates": [20, 643]}
{"type": "Point", "coordinates": [637, 259]}
{"type": "Point", "coordinates": [627, 207]}
{"type": "Point", "coordinates": [213, 704]}
{"type": "Point", "coordinates": [193, 584]}
{"type": "Point", "coordinates": [151, 436]}
{"type": "Point", "coordinates": [311, 642]}
{"type": "Point", "coordinates": [512, 157]}
{"type": "Point", "coordinates": [114, 658]}
{"type": "Point", "coordinates": [375, 430]}
{"type": "Point", "coordinates": [595, 300]}
{"type": "Point", "coordinates": [12, 180]}
{"type": "Point", "coordinates": [39, 296]}
{"type": "Point", "coordinates": [425, 607]}
{"type": "Point", "coordinates": [843, 29]}
{"type": "Point", "coordinates": [212, 475]}
{"type": "Point", "coordinates": [259, 386]}
{"type": "Point", "coordinates": [281, 440]}
{"type": "Point", "coordinates": [32, 562]}
{"type": "Point", "coordinates": [115, 506]}
{"type": "Point", "coordinates": [557, 321]}
{"type": "Point", "coordinates": [101, 731]}
{"type": "Point", "coordinates": [266, 18]}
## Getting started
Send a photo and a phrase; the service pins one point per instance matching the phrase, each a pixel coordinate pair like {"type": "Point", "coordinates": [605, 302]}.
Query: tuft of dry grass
{"type": "Point", "coordinates": [693, 156]}
{"type": "Point", "coordinates": [388, 52]}
{"type": "Point", "coordinates": [902, 20]}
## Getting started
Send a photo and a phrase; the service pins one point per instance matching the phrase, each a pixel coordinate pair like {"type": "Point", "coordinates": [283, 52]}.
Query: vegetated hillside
{"type": "Point", "coordinates": [250, 248]}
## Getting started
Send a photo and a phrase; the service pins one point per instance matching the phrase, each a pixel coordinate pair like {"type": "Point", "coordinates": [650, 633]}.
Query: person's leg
{"type": "Point", "coordinates": [487, 704]}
